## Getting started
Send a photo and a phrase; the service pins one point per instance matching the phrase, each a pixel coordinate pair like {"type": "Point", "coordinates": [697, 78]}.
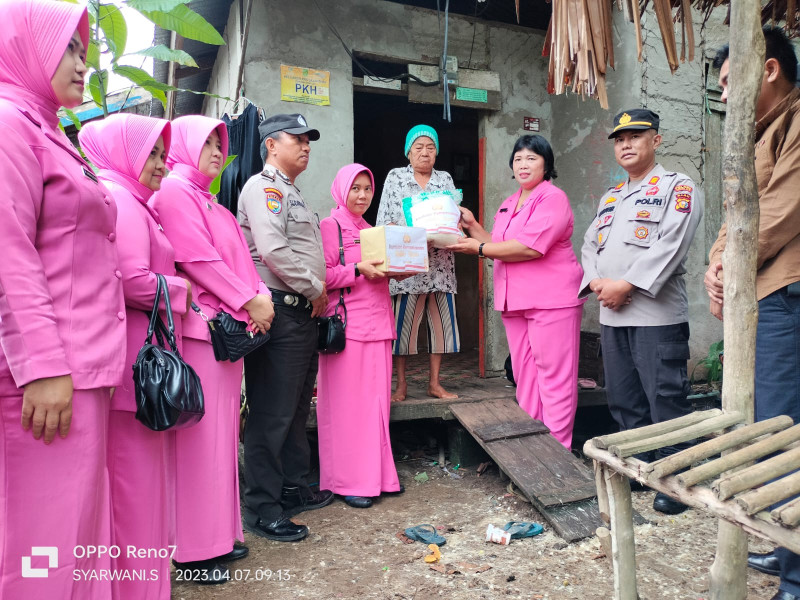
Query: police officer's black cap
{"type": "Point", "coordinates": [295, 124]}
{"type": "Point", "coordinates": [634, 118]}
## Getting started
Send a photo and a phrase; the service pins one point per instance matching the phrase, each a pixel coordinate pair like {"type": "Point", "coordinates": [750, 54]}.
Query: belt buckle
{"type": "Point", "coordinates": [290, 299]}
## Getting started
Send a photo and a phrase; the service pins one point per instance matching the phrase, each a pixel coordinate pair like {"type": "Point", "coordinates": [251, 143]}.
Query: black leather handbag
{"type": "Point", "coordinates": [168, 391]}
{"type": "Point", "coordinates": [331, 338]}
{"type": "Point", "coordinates": [230, 338]}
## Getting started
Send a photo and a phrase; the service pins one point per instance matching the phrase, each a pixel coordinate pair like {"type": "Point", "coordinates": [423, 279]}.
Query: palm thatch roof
{"type": "Point", "coordinates": [580, 45]}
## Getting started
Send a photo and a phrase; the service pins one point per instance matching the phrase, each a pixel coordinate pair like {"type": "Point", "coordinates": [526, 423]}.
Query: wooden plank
{"type": "Point", "coordinates": [574, 521]}
{"type": "Point", "coordinates": [504, 431]}
{"type": "Point", "coordinates": [542, 468]}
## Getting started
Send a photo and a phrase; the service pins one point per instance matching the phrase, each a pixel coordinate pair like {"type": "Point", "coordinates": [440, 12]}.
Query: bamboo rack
{"type": "Point", "coordinates": [733, 486]}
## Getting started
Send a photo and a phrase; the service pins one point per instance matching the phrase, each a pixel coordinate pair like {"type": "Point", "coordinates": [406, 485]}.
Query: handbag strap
{"type": "Point", "coordinates": [156, 324]}
{"type": "Point", "coordinates": [341, 290]}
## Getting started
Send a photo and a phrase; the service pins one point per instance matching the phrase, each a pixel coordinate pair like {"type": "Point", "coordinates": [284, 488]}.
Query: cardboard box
{"type": "Point", "coordinates": [402, 249]}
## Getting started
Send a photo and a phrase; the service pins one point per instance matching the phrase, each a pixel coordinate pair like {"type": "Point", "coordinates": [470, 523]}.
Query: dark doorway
{"type": "Point", "coordinates": [381, 124]}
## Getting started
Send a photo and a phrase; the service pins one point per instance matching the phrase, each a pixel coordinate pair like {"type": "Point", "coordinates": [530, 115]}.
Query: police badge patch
{"type": "Point", "coordinates": [274, 198]}
{"type": "Point", "coordinates": [683, 202]}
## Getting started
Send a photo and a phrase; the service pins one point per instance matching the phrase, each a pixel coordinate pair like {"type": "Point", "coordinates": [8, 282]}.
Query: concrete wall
{"type": "Point", "coordinates": [294, 33]}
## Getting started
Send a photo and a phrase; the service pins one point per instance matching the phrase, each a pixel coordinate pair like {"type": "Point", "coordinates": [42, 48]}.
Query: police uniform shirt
{"type": "Point", "coordinates": [642, 233]}
{"type": "Point", "coordinates": [282, 233]}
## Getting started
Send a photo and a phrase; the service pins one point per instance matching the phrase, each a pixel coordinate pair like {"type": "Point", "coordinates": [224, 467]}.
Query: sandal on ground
{"type": "Point", "coordinates": [425, 534]}
{"type": "Point", "coordinates": [522, 529]}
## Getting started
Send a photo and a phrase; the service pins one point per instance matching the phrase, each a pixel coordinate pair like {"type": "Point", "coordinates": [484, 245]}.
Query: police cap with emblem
{"type": "Point", "coordinates": [295, 124]}
{"type": "Point", "coordinates": [635, 118]}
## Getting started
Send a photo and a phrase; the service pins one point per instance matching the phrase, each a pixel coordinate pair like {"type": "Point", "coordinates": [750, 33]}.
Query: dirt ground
{"type": "Point", "coordinates": [354, 554]}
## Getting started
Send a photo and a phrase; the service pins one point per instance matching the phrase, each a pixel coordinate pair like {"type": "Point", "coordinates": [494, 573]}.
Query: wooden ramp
{"type": "Point", "coordinates": [558, 485]}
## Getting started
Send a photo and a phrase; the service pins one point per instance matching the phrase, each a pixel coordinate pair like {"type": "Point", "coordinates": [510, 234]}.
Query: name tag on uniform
{"type": "Point", "coordinates": [88, 173]}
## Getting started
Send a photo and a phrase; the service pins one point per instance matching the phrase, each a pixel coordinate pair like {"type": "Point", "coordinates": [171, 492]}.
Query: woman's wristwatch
{"type": "Point", "coordinates": [480, 250]}
{"type": "Point", "coordinates": [357, 271]}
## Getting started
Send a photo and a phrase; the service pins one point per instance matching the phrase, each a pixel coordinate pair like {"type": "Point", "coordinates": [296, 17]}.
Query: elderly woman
{"type": "Point", "coordinates": [431, 293]}
{"type": "Point", "coordinates": [355, 453]}
{"type": "Point", "coordinates": [129, 151]}
{"type": "Point", "coordinates": [536, 279]}
{"type": "Point", "coordinates": [62, 317]}
{"type": "Point", "coordinates": [211, 250]}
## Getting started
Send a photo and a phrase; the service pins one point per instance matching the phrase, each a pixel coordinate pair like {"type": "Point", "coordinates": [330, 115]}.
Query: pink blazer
{"type": "Point", "coordinates": [144, 251]}
{"type": "Point", "coordinates": [61, 305]}
{"type": "Point", "coordinates": [210, 249]}
{"type": "Point", "coordinates": [369, 306]}
{"type": "Point", "coordinates": [544, 223]}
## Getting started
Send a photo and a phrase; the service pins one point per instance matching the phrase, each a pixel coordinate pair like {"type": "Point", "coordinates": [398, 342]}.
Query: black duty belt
{"type": "Point", "coordinates": [289, 300]}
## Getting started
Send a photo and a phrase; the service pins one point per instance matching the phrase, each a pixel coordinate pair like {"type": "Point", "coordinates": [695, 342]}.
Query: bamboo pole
{"type": "Point", "coordinates": [602, 494]}
{"type": "Point", "coordinates": [641, 433]}
{"type": "Point", "coordinates": [788, 514]}
{"type": "Point", "coordinates": [748, 478]}
{"type": "Point", "coordinates": [767, 495]}
{"type": "Point", "coordinates": [684, 458]}
{"type": "Point", "coordinates": [623, 551]}
{"type": "Point", "coordinates": [729, 572]}
{"type": "Point", "coordinates": [741, 457]}
{"type": "Point", "coordinates": [676, 437]}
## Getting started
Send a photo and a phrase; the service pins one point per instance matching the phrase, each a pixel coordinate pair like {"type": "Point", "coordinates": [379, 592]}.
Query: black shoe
{"type": "Point", "coordinates": [239, 551]}
{"type": "Point", "coordinates": [280, 530]}
{"type": "Point", "coordinates": [781, 595]}
{"type": "Point", "coordinates": [664, 504]}
{"type": "Point", "coordinates": [294, 500]}
{"type": "Point", "coordinates": [396, 492]}
{"type": "Point", "coordinates": [766, 563]}
{"type": "Point", "coordinates": [358, 501]}
{"type": "Point", "coordinates": [203, 572]}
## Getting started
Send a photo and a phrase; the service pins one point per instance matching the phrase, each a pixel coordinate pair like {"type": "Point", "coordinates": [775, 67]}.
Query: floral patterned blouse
{"type": "Point", "coordinates": [400, 183]}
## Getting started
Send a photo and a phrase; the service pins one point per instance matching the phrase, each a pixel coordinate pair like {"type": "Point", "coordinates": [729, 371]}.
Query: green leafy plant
{"type": "Point", "coordinates": [109, 36]}
{"type": "Point", "coordinates": [712, 363]}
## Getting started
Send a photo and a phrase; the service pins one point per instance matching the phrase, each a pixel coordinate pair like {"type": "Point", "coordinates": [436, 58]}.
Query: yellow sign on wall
{"type": "Point", "coordinates": [310, 86]}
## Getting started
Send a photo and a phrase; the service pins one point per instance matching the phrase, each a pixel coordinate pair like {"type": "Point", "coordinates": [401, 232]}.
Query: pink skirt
{"type": "Point", "coordinates": [55, 498]}
{"type": "Point", "coordinates": [138, 470]}
{"type": "Point", "coordinates": [207, 513]}
{"type": "Point", "coordinates": [355, 452]}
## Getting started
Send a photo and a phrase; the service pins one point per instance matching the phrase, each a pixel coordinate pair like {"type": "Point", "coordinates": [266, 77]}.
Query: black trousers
{"type": "Point", "coordinates": [646, 377]}
{"type": "Point", "coordinates": [280, 380]}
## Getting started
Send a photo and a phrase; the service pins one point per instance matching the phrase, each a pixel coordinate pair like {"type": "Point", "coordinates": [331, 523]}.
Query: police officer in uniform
{"type": "Point", "coordinates": [633, 257]}
{"type": "Point", "coordinates": [285, 242]}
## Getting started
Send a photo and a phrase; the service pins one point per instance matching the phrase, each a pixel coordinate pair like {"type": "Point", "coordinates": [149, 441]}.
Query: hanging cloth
{"type": "Point", "coordinates": [243, 142]}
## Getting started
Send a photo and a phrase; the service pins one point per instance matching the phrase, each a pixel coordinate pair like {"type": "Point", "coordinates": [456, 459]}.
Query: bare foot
{"type": "Point", "coordinates": [400, 393]}
{"type": "Point", "coordinates": [437, 391]}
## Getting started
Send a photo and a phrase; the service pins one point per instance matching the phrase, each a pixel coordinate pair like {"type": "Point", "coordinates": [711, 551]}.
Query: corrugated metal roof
{"type": "Point", "coordinates": [216, 13]}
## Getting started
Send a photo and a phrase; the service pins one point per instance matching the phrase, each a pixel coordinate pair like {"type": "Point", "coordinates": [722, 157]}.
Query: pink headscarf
{"type": "Point", "coordinates": [34, 36]}
{"type": "Point", "coordinates": [340, 189]}
{"type": "Point", "coordinates": [189, 134]}
{"type": "Point", "coordinates": [120, 145]}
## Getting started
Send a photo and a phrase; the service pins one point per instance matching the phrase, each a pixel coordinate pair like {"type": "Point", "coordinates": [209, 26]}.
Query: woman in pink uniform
{"type": "Point", "coordinates": [536, 279]}
{"type": "Point", "coordinates": [212, 253]}
{"type": "Point", "coordinates": [62, 316]}
{"type": "Point", "coordinates": [355, 386]}
{"type": "Point", "coordinates": [129, 151]}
